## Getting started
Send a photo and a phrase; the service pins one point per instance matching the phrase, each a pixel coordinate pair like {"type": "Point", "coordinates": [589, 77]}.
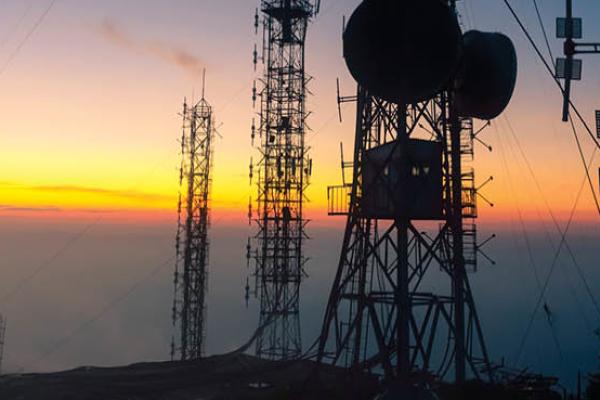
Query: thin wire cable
{"type": "Point", "coordinates": [586, 285]}
{"type": "Point", "coordinates": [103, 311]}
{"type": "Point", "coordinates": [587, 170]}
{"type": "Point", "coordinates": [48, 262]}
{"type": "Point", "coordinates": [553, 217]}
{"type": "Point", "coordinates": [65, 247]}
{"type": "Point", "coordinates": [551, 72]}
{"type": "Point", "coordinates": [595, 141]}
{"type": "Point", "coordinates": [80, 234]}
{"type": "Point", "coordinates": [539, 16]}
{"type": "Point", "coordinates": [527, 241]}
{"type": "Point", "coordinates": [30, 33]}
{"type": "Point", "coordinates": [547, 281]}
{"type": "Point", "coordinates": [567, 276]}
{"type": "Point", "coordinates": [546, 64]}
{"type": "Point", "coordinates": [558, 250]}
{"type": "Point", "coordinates": [13, 28]}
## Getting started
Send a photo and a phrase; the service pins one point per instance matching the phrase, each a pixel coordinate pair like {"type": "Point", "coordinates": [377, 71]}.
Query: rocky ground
{"type": "Point", "coordinates": [234, 376]}
{"type": "Point", "coordinates": [224, 377]}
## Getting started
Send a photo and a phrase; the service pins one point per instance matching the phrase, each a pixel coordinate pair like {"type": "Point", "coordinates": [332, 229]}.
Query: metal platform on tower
{"type": "Point", "coordinates": [401, 304]}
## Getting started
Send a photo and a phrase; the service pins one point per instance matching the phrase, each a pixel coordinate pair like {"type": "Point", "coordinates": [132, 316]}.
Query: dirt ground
{"type": "Point", "coordinates": [215, 378]}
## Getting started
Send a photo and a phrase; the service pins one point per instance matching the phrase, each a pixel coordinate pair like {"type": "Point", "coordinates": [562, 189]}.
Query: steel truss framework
{"type": "Point", "coordinates": [192, 242]}
{"type": "Point", "coordinates": [401, 304]}
{"type": "Point", "coordinates": [283, 176]}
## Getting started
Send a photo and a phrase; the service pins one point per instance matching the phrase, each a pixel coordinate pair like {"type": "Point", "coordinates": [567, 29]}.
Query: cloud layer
{"type": "Point", "coordinates": [170, 54]}
{"type": "Point", "coordinates": [128, 194]}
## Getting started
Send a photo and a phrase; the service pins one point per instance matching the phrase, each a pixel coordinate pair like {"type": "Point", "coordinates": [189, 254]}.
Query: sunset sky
{"type": "Point", "coordinates": [89, 107]}
{"type": "Point", "coordinates": [89, 127]}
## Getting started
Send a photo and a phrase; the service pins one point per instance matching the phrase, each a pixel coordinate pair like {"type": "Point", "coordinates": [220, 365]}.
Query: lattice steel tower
{"type": "Point", "coordinates": [401, 303]}
{"type": "Point", "coordinates": [192, 242]}
{"type": "Point", "coordinates": [283, 175]}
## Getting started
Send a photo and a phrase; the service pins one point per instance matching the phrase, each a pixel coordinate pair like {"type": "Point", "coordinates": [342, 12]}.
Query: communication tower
{"type": "Point", "coordinates": [401, 303]}
{"type": "Point", "coordinates": [283, 173]}
{"type": "Point", "coordinates": [192, 241]}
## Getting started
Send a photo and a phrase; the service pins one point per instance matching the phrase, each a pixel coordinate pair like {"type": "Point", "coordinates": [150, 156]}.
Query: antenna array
{"type": "Point", "coordinates": [283, 171]}
{"type": "Point", "coordinates": [192, 242]}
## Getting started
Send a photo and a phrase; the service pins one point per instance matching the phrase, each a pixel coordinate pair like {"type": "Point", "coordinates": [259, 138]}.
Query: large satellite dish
{"type": "Point", "coordinates": [402, 51]}
{"type": "Point", "coordinates": [486, 80]}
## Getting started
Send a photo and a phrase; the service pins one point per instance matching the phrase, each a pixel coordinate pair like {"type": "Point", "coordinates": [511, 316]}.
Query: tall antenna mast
{"type": "Point", "coordinates": [283, 174]}
{"type": "Point", "coordinates": [192, 242]}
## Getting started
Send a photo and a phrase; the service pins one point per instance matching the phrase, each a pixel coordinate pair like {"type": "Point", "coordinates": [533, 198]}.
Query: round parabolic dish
{"type": "Point", "coordinates": [402, 51]}
{"type": "Point", "coordinates": [488, 74]}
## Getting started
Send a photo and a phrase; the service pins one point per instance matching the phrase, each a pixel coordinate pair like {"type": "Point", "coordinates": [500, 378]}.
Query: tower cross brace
{"type": "Point", "coordinates": [283, 172]}
{"type": "Point", "coordinates": [401, 304]}
{"type": "Point", "coordinates": [192, 241]}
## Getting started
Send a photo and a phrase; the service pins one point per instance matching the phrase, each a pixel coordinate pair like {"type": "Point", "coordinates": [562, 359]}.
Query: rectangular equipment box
{"type": "Point", "coordinates": [406, 186]}
{"type": "Point", "coordinates": [566, 29]}
{"type": "Point", "coordinates": [561, 69]}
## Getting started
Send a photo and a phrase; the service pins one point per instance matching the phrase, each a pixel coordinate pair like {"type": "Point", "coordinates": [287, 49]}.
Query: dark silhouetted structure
{"type": "Point", "coordinates": [283, 173]}
{"type": "Point", "coordinates": [192, 243]}
{"type": "Point", "coordinates": [2, 339]}
{"type": "Point", "coordinates": [569, 68]}
{"type": "Point", "coordinates": [401, 303]}
{"type": "Point", "coordinates": [593, 390]}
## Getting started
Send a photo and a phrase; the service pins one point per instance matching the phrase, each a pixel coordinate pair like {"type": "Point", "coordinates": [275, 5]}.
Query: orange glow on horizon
{"type": "Point", "coordinates": [493, 218]}
{"type": "Point", "coordinates": [89, 121]}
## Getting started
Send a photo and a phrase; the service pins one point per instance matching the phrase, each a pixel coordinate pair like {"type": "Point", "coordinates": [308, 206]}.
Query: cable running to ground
{"type": "Point", "coordinates": [553, 217]}
{"type": "Point", "coordinates": [597, 146]}
{"type": "Point", "coordinates": [108, 307]}
{"type": "Point", "coordinates": [587, 169]}
{"type": "Point", "coordinates": [547, 281]}
{"type": "Point", "coordinates": [526, 236]}
{"type": "Point", "coordinates": [539, 16]}
{"type": "Point", "coordinates": [8, 33]}
{"type": "Point", "coordinates": [34, 28]}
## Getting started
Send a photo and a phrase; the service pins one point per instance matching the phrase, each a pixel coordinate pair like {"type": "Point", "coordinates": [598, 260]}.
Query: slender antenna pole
{"type": "Point", "coordinates": [203, 82]}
